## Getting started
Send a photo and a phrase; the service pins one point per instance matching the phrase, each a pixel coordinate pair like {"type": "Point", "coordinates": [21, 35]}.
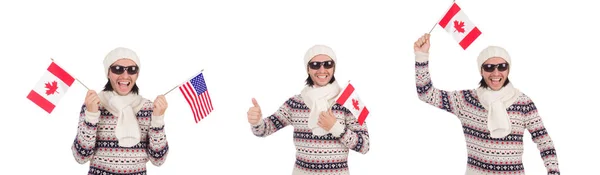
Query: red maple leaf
{"type": "Point", "coordinates": [51, 88]}
{"type": "Point", "coordinates": [355, 104]}
{"type": "Point", "coordinates": [459, 26]}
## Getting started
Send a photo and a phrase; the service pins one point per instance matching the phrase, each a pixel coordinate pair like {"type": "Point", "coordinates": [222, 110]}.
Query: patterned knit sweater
{"type": "Point", "coordinates": [97, 143]}
{"type": "Point", "coordinates": [317, 155]}
{"type": "Point", "coordinates": [488, 155]}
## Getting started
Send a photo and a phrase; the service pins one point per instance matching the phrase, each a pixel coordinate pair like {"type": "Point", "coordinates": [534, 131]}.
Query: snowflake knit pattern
{"type": "Point", "coordinates": [487, 155]}
{"type": "Point", "coordinates": [317, 155]}
{"type": "Point", "coordinates": [97, 143]}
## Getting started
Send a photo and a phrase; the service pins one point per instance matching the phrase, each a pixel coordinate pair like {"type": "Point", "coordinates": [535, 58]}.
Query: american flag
{"type": "Point", "coordinates": [196, 94]}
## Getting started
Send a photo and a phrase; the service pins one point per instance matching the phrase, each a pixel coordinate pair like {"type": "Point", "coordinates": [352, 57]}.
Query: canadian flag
{"type": "Point", "coordinates": [349, 99]}
{"type": "Point", "coordinates": [459, 26]}
{"type": "Point", "coordinates": [51, 87]}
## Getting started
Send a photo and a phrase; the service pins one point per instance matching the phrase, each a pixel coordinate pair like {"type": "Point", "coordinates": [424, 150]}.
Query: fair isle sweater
{"type": "Point", "coordinates": [317, 155]}
{"type": "Point", "coordinates": [486, 155]}
{"type": "Point", "coordinates": [97, 143]}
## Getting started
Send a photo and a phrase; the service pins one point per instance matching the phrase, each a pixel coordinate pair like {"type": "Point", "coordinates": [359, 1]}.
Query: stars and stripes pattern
{"type": "Point", "coordinates": [197, 96]}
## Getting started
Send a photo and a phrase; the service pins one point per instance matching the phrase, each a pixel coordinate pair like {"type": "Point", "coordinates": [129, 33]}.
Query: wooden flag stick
{"type": "Point", "coordinates": [75, 78]}
{"type": "Point", "coordinates": [436, 23]}
{"type": "Point", "coordinates": [82, 84]}
{"type": "Point", "coordinates": [182, 83]}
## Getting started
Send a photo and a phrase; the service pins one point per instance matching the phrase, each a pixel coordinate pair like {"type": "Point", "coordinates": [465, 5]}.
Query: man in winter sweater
{"type": "Point", "coordinates": [493, 116]}
{"type": "Point", "coordinates": [119, 130]}
{"type": "Point", "coordinates": [324, 131]}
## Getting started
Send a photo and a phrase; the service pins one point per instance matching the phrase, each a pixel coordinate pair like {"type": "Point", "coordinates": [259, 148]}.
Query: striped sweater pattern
{"type": "Point", "coordinates": [317, 155]}
{"type": "Point", "coordinates": [487, 155]}
{"type": "Point", "coordinates": [97, 143]}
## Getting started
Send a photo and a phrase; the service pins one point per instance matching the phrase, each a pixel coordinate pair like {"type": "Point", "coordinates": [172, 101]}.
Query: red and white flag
{"type": "Point", "coordinates": [349, 99]}
{"type": "Point", "coordinates": [51, 87]}
{"type": "Point", "coordinates": [459, 26]}
{"type": "Point", "coordinates": [196, 94]}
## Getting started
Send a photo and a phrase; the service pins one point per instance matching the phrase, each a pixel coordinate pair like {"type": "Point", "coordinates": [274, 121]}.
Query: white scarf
{"type": "Point", "coordinates": [496, 103]}
{"type": "Point", "coordinates": [124, 108]}
{"type": "Point", "coordinates": [318, 100]}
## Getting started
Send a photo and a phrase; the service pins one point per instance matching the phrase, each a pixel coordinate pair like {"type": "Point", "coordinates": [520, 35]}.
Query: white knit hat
{"type": "Point", "coordinates": [492, 51]}
{"type": "Point", "coordinates": [119, 53]}
{"type": "Point", "coordinates": [318, 50]}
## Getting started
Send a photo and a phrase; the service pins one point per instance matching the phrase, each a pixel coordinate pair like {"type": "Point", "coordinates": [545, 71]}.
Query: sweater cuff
{"type": "Point", "coordinates": [92, 117]}
{"type": "Point", "coordinates": [421, 56]}
{"type": "Point", "coordinates": [260, 122]}
{"type": "Point", "coordinates": [337, 129]}
{"type": "Point", "coordinates": [157, 121]}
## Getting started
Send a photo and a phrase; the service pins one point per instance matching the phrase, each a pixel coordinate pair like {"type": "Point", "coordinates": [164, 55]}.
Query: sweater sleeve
{"type": "Point", "coordinates": [158, 147]}
{"type": "Point", "coordinates": [85, 141]}
{"type": "Point", "coordinates": [355, 135]}
{"type": "Point", "coordinates": [540, 136]}
{"type": "Point", "coordinates": [275, 122]}
{"type": "Point", "coordinates": [446, 100]}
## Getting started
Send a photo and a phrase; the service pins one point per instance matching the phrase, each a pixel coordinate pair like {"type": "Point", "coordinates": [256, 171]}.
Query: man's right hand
{"type": "Point", "coordinates": [92, 101]}
{"type": "Point", "coordinates": [254, 114]}
{"type": "Point", "coordinates": [422, 44]}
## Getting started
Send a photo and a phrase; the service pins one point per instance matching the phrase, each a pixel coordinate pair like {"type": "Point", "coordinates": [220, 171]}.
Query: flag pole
{"type": "Point", "coordinates": [75, 78]}
{"type": "Point", "coordinates": [436, 23]}
{"type": "Point", "coordinates": [182, 83]}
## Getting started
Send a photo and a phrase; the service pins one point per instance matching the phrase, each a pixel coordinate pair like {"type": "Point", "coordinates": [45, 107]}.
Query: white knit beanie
{"type": "Point", "coordinates": [492, 51]}
{"type": "Point", "coordinates": [318, 50]}
{"type": "Point", "coordinates": [119, 53]}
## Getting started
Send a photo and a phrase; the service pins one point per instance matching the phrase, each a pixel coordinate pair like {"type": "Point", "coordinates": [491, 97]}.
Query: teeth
{"type": "Point", "coordinates": [124, 83]}
{"type": "Point", "coordinates": [495, 79]}
{"type": "Point", "coordinates": [322, 76]}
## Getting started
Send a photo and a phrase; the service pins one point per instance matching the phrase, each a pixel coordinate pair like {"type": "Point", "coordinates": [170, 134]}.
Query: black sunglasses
{"type": "Point", "coordinates": [317, 65]}
{"type": "Point", "coordinates": [118, 69]}
{"type": "Point", "coordinates": [490, 67]}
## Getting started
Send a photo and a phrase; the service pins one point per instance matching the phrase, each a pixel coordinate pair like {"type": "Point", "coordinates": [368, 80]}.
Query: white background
{"type": "Point", "coordinates": [256, 48]}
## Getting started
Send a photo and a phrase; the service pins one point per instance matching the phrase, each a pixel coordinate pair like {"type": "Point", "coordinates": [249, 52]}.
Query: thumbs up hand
{"type": "Point", "coordinates": [254, 113]}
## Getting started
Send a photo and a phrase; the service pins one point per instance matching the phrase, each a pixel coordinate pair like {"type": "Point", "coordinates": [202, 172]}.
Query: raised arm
{"type": "Point", "coordinates": [84, 144]}
{"type": "Point", "coordinates": [540, 136]}
{"type": "Point", "coordinates": [158, 147]}
{"type": "Point", "coordinates": [446, 100]}
{"type": "Point", "coordinates": [263, 127]}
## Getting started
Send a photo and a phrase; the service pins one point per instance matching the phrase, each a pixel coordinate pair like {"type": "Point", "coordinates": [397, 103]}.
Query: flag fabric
{"type": "Point", "coordinates": [51, 88]}
{"type": "Point", "coordinates": [459, 26]}
{"type": "Point", "coordinates": [349, 99]}
{"type": "Point", "coordinates": [196, 94]}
